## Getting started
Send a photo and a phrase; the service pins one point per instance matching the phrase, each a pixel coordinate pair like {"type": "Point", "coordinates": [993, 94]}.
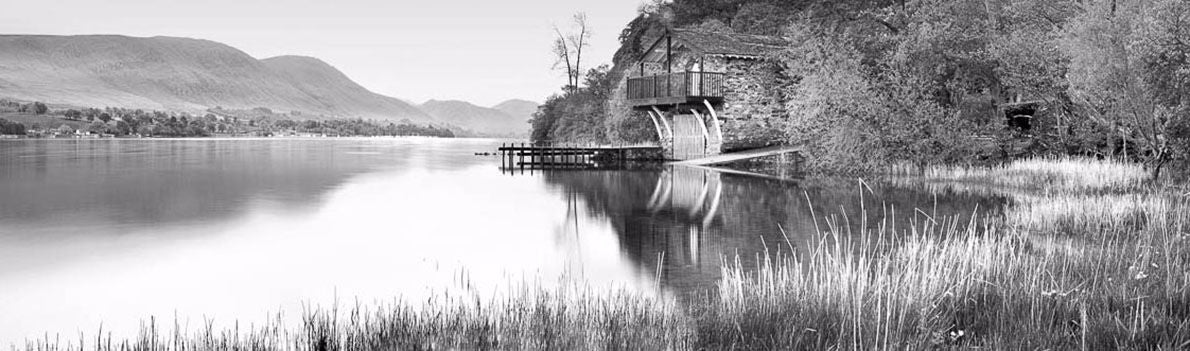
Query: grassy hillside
{"type": "Point", "coordinates": [33, 121]}
{"type": "Point", "coordinates": [333, 90]}
{"type": "Point", "coordinates": [482, 119]}
{"type": "Point", "coordinates": [522, 110]}
{"type": "Point", "coordinates": [179, 74]}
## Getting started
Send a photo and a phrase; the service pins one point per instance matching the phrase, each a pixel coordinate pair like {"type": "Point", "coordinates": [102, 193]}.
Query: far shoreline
{"type": "Point", "coordinates": [297, 137]}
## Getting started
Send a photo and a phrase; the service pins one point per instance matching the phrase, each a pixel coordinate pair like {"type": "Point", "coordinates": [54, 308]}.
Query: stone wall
{"type": "Point", "coordinates": [752, 115]}
{"type": "Point", "coordinates": [753, 112]}
{"type": "Point", "coordinates": [625, 125]}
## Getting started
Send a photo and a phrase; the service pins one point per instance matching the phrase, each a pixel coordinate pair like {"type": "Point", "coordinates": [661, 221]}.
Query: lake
{"type": "Point", "coordinates": [109, 232]}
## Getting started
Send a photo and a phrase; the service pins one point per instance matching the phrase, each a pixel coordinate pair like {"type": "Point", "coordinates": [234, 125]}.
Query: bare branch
{"type": "Point", "coordinates": [562, 53]}
{"type": "Point", "coordinates": [568, 48]}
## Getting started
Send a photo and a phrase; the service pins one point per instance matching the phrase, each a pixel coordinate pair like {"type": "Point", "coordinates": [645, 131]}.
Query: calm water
{"type": "Point", "coordinates": [114, 231]}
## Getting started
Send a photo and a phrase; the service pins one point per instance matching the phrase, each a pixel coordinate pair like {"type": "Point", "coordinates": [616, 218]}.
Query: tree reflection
{"type": "Point", "coordinates": [680, 224]}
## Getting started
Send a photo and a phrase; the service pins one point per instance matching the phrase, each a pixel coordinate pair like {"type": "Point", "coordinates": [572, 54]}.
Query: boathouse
{"type": "Point", "coordinates": [710, 92]}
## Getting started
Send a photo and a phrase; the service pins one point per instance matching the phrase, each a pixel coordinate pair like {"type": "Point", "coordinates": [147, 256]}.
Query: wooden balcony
{"type": "Point", "coordinates": [675, 88]}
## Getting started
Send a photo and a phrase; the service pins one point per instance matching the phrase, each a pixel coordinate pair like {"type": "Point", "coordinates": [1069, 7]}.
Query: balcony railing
{"type": "Point", "coordinates": [675, 87]}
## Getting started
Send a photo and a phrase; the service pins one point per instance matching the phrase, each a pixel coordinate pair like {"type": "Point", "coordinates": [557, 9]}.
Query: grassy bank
{"type": "Point", "coordinates": [1071, 174]}
{"type": "Point", "coordinates": [1088, 256]}
{"type": "Point", "coordinates": [1105, 281]}
{"type": "Point", "coordinates": [531, 318]}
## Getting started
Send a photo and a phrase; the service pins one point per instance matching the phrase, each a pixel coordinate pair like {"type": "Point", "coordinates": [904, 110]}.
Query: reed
{"type": "Point", "coordinates": [570, 317]}
{"type": "Point", "coordinates": [1081, 267]}
{"type": "Point", "coordinates": [1041, 173]}
{"type": "Point", "coordinates": [1080, 214]}
{"type": "Point", "coordinates": [1098, 262]}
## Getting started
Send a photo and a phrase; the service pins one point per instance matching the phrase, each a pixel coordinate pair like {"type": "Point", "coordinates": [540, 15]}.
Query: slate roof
{"type": "Point", "coordinates": [728, 44]}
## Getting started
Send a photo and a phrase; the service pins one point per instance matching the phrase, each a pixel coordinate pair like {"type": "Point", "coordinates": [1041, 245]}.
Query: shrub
{"type": "Point", "coordinates": [11, 128]}
{"type": "Point", "coordinates": [854, 117]}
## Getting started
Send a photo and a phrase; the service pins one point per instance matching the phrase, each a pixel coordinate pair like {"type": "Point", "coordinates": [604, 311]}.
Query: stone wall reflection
{"type": "Point", "coordinates": [680, 224]}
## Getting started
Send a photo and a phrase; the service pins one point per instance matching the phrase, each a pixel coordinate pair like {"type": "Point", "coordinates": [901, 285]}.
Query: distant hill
{"type": "Point", "coordinates": [520, 109]}
{"type": "Point", "coordinates": [180, 74]}
{"type": "Point", "coordinates": [334, 91]}
{"type": "Point", "coordinates": [489, 121]}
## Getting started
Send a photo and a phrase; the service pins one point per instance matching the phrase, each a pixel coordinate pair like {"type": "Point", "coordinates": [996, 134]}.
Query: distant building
{"type": "Point", "coordinates": [707, 93]}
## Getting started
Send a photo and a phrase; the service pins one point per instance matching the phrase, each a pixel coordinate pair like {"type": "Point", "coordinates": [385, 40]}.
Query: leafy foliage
{"type": "Point", "coordinates": [35, 107]}
{"type": "Point", "coordinates": [257, 122]}
{"type": "Point", "coordinates": [880, 82]}
{"type": "Point", "coordinates": [1129, 73]}
{"type": "Point", "coordinates": [856, 117]}
{"type": "Point", "coordinates": [11, 128]}
{"type": "Point", "coordinates": [576, 116]}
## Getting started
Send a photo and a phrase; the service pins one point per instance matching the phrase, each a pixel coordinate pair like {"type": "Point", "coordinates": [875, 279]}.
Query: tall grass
{"type": "Point", "coordinates": [533, 319]}
{"type": "Point", "coordinates": [1087, 257]}
{"type": "Point", "coordinates": [1043, 173]}
{"type": "Point", "coordinates": [956, 286]}
{"type": "Point", "coordinates": [570, 317]}
{"type": "Point", "coordinates": [1081, 215]}
{"type": "Point", "coordinates": [1091, 260]}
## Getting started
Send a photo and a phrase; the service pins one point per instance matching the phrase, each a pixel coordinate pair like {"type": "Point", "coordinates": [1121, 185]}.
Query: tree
{"type": "Point", "coordinates": [568, 50]}
{"type": "Point", "coordinates": [123, 128]}
{"type": "Point", "coordinates": [687, 12]}
{"type": "Point", "coordinates": [12, 128]}
{"type": "Point", "coordinates": [579, 115]}
{"type": "Point", "coordinates": [758, 18]}
{"type": "Point", "coordinates": [162, 130]}
{"type": "Point", "coordinates": [105, 117]}
{"type": "Point", "coordinates": [97, 127]}
{"type": "Point", "coordinates": [1129, 73]}
{"type": "Point", "coordinates": [859, 107]}
{"type": "Point", "coordinates": [40, 108]}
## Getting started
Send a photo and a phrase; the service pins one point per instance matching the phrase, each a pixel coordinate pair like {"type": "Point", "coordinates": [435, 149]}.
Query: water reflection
{"type": "Point", "coordinates": [148, 182]}
{"type": "Point", "coordinates": [239, 229]}
{"type": "Point", "coordinates": [680, 223]}
{"type": "Point", "coordinates": [112, 231]}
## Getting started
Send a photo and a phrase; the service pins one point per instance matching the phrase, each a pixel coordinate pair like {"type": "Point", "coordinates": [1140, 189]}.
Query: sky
{"type": "Point", "coordinates": [482, 51]}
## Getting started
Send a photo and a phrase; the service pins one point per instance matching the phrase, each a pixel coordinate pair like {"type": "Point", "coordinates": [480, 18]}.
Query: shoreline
{"type": "Point", "coordinates": [256, 138]}
{"type": "Point", "coordinates": [943, 285]}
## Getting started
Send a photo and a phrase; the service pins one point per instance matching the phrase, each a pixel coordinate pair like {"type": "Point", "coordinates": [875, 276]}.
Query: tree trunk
{"type": "Point", "coordinates": [1159, 163]}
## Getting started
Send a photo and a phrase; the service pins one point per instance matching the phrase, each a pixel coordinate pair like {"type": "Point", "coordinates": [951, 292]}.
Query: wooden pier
{"type": "Point", "coordinates": [551, 156]}
{"type": "Point", "coordinates": [741, 155]}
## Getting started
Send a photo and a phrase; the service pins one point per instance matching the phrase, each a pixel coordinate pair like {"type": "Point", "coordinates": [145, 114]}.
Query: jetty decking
{"type": "Point", "coordinates": [739, 156]}
{"type": "Point", "coordinates": [675, 88]}
{"type": "Point", "coordinates": [543, 156]}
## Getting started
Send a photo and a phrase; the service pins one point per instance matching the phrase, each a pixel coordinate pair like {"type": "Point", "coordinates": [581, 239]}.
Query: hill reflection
{"type": "Point", "coordinates": [53, 185]}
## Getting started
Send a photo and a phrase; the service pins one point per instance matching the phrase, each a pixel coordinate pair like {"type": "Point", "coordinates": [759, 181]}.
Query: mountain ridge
{"type": "Point", "coordinates": [459, 112]}
{"type": "Point", "coordinates": [186, 74]}
{"type": "Point", "coordinates": [323, 81]}
{"type": "Point", "coordinates": [520, 109]}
